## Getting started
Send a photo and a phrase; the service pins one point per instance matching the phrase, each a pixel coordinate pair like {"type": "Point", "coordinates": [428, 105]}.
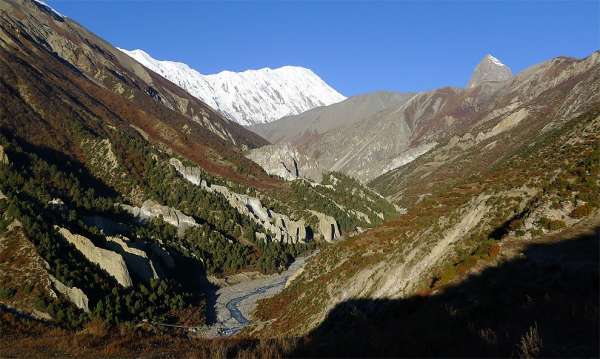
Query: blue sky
{"type": "Point", "coordinates": [355, 46]}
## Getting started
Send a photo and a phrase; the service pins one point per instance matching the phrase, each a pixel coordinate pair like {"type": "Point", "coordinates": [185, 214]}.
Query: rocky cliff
{"type": "Point", "coordinates": [278, 226]}
{"type": "Point", "coordinates": [73, 294]}
{"type": "Point", "coordinates": [136, 259]}
{"type": "Point", "coordinates": [151, 209]}
{"type": "Point", "coordinates": [113, 263]}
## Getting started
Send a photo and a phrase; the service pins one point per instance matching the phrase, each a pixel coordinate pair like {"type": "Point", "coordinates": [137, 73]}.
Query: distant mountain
{"type": "Point", "coordinates": [322, 119]}
{"type": "Point", "coordinates": [248, 97]}
{"type": "Point", "coordinates": [366, 136]}
{"type": "Point", "coordinates": [490, 69]}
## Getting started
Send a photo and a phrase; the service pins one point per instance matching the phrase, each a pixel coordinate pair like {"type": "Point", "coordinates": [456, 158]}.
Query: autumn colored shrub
{"type": "Point", "coordinates": [581, 211]}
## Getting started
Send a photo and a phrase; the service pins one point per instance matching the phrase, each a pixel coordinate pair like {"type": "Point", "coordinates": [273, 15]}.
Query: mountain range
{"type": "Point", "coordinates": [249, 97]}
{"type": "Point", "coordinates": [139, 219]}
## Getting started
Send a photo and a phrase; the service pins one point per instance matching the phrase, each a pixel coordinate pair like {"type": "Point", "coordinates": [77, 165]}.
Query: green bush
{"type": "Point", "coordinates": [7, 293]}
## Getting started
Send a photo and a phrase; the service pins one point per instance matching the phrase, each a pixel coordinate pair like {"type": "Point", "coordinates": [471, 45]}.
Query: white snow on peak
{"type": "Point", "coordinates": [494, 60]}
{"type": "Point", "coordinates": [248, 97]}
{"type": "Point", "coordinates": [49, 8]}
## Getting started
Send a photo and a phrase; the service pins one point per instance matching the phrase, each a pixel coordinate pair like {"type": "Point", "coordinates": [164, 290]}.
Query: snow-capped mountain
{"type": "Point", "coordinates": [490, 69]}
{"type": "Point", "coordinates": [248, 97]}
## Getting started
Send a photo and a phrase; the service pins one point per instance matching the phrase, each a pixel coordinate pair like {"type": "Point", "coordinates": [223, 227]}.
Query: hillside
{"type": "Point", "coordinates": [126, 194]}
{"type": "Point", "coordinates": [466, 212]}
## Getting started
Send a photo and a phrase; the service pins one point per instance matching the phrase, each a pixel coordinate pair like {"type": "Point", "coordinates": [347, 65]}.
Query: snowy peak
{"type": "Point", "coordinates": [49, 9]}
{"type": "Point", "coordinates": [248, 97]}
{"type": "Point", "coordinates": [490, 69]}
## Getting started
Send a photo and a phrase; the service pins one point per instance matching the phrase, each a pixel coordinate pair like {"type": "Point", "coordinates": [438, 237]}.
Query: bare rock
{"type": "Point", "coordinates": [74, 294]}
{"type": "Point", "coordinates": [136, 259]}
{"type": "Point", "coordinates": [151, 209]}
{"type": "Point", "coordinates": [280, 226]}
{"type": "Point", "coordinates": [113, 263]}
{"type": "Point", "coordinates": [490, 69]}
{"type": "Point", "coordinates": [328, 227]}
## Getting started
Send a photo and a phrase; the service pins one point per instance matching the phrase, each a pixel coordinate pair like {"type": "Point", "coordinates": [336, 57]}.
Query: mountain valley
{"type": "Point", "coordinates": [147, 210]}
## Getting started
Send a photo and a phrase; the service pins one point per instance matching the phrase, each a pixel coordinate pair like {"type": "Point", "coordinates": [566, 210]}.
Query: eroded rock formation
{"type": "Point", "coordinates": [328, 227]}
{"type": "Point", "coordinates": [74, 294]}
{"type": "Point", "coordinates": [151, 209]}
{"type": "Point", "coordinates": [136, 258]}
{"type": "Point", "coordinates": [279, 226]}
{"type": "Point", "coordinates": [113, 263]}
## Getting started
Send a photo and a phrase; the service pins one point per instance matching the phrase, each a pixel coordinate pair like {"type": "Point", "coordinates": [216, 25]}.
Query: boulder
{"type": "Point", "coordinates": [113, 263]}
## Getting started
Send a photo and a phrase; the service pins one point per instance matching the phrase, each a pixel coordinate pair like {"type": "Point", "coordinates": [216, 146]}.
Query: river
{"type": "Point", "coordinates": [235, 303]}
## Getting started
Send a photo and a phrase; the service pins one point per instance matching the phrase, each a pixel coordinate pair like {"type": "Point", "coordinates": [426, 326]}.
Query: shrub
{"type": "Point", "coordinates": [531, 343]}
{"type": "Point", "coordinates": [556, 224]}
{"type": "Point", "coordinates": [515, 224]}
{"type": "Point", "coordinates": [494, 250]}
{"type": "Point", "coordinates": [7, 293]}
{"type": "Point", "coordinates": [581, 211]}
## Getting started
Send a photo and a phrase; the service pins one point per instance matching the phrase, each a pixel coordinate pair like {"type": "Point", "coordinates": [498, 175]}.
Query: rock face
{"type": "Point", "coordinates": [278, 160]}
{"type": "Point", "coordinates": [74, 294]}
{"type": "Point", "coordinates": [113, 263]}
{"type": "Point", "coordinates": [136, 259]}
{"type": "Point", "coordinates": [359, 137]}
{"type": "Point", "coordinates": [279, 226]}
{"type": "Point", "coordinates": [286, 161]}
{"type": "Point", "coordinates": [490, 69]}
{"type": "Point", "coordinates": [328, 227]}
{"type": "Point", "coordinates": [151, 209]}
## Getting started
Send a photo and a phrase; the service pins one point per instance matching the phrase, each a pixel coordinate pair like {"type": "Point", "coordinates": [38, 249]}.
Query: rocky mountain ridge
{"type": "Point", "coordinates": [249, 97]}
{"type": "Point", "coordinates": [392, 137]}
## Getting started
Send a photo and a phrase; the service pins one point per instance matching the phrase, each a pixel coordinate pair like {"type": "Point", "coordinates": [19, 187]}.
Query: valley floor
{"type": "Point", "coordinates": [235, 303]}
{"type": "Point", "coordinates": [540, 299]}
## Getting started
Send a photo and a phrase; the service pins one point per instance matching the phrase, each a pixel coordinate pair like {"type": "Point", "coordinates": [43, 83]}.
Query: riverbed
{"type": "Point", "coordinates": [235, 303]}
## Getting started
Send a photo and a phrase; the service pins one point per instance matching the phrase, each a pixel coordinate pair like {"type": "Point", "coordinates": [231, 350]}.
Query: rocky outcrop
{"type": "Point", "coordinates": [328, 227]}
{"type": "Point", "coordinates": [113, 263]}
{"type": "Point", "coordinates": [74, 294]}
{"type": "Point", "coordinates": [3, 157]}
{"type": "Point", "coordinates": [152, 209]}
{"type": "Point", "coordinates": [285, 161]}
{"type": "Point", "coordinates": [279, 226]}
{"type": "Point", "coordinates": [136, 259]}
